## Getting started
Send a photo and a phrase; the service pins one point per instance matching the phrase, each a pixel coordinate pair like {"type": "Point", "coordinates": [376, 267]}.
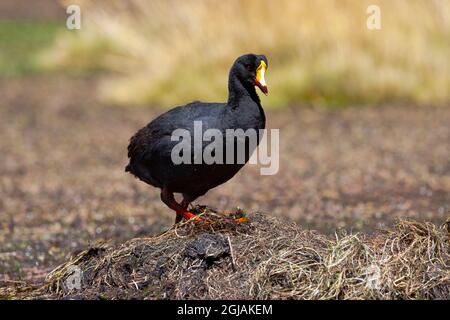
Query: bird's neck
{"type": "Point", "coordinates": [237, 93]}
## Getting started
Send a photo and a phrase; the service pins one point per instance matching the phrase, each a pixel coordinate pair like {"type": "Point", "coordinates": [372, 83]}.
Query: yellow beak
{"type": "Point", "coordinates": [260, 81]}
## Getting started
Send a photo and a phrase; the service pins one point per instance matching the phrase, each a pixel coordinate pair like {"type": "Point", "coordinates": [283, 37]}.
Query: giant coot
{"type": "Point", "coordinates": [150, 149]}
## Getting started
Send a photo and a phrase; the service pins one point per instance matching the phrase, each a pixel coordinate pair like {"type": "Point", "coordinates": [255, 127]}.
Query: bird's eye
{"type": "Point", "coordinates": [248, 67]}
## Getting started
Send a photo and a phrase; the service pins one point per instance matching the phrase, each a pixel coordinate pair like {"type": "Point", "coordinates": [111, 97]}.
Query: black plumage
{"type": "Point", "coordinates": [150, 148]}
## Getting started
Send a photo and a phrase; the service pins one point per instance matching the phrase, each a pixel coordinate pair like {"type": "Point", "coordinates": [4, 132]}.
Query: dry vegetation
{"type": "Point", "coordinates": [320, 52]}
{"type": "Point", "coordinates": [263, 258]}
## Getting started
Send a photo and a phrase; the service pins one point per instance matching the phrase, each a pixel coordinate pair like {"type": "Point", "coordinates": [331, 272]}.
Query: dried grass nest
{"type": "Point", "coordinates": [261, 258]}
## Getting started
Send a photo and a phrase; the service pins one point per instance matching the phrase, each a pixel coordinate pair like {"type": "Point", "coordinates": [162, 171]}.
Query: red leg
{"type": "Point", "coordinates": [185, 203]}
{"type": "Point", "coordinates": [168, 198]}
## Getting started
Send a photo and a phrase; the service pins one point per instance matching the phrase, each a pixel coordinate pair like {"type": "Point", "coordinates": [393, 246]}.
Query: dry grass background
{"type": "Point", "coordinates": [320, 52]}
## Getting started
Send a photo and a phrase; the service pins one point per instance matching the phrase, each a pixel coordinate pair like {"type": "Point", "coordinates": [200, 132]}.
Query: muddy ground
{"type": "Point", "coordinates": [62, 184]}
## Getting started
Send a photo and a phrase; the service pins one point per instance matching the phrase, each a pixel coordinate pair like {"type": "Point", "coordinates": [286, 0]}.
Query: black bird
{"type": "Point", "coordinates": [150, 149]}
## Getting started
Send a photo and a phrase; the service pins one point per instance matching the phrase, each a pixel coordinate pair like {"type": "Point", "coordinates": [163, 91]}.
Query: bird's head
{"type": "Point", "coordinates": [250, 69]}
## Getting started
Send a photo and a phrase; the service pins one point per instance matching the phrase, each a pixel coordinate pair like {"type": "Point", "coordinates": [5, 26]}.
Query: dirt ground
{"type": "Point", "coordinates": [63, 187]}
{"type": "Point", "coordinates": [32, 10]}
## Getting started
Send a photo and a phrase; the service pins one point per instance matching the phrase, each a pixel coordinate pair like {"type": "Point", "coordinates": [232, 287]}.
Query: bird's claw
{"type": "Point", "coordinates": [189, 215]}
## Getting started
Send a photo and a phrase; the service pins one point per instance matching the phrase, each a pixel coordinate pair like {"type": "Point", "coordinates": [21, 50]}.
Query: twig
{"type": "Point", "coordinates": [233, 261]}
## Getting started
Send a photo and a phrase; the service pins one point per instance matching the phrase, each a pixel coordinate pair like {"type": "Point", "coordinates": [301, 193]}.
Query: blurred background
{"type": "Point", "coordinates": [363, 114]}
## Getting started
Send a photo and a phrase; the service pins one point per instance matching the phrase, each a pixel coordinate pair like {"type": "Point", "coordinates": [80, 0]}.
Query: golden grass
{"type": "Point", "coordinates": [320, 52]}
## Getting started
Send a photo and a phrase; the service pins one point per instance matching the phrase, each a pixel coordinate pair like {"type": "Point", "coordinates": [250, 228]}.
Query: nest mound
{"type": "Point", "coordinates": [260, 258]}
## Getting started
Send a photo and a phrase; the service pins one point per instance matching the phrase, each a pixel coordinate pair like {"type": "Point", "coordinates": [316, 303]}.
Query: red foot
{"type": "Point", "coordinates": [189, 215]}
